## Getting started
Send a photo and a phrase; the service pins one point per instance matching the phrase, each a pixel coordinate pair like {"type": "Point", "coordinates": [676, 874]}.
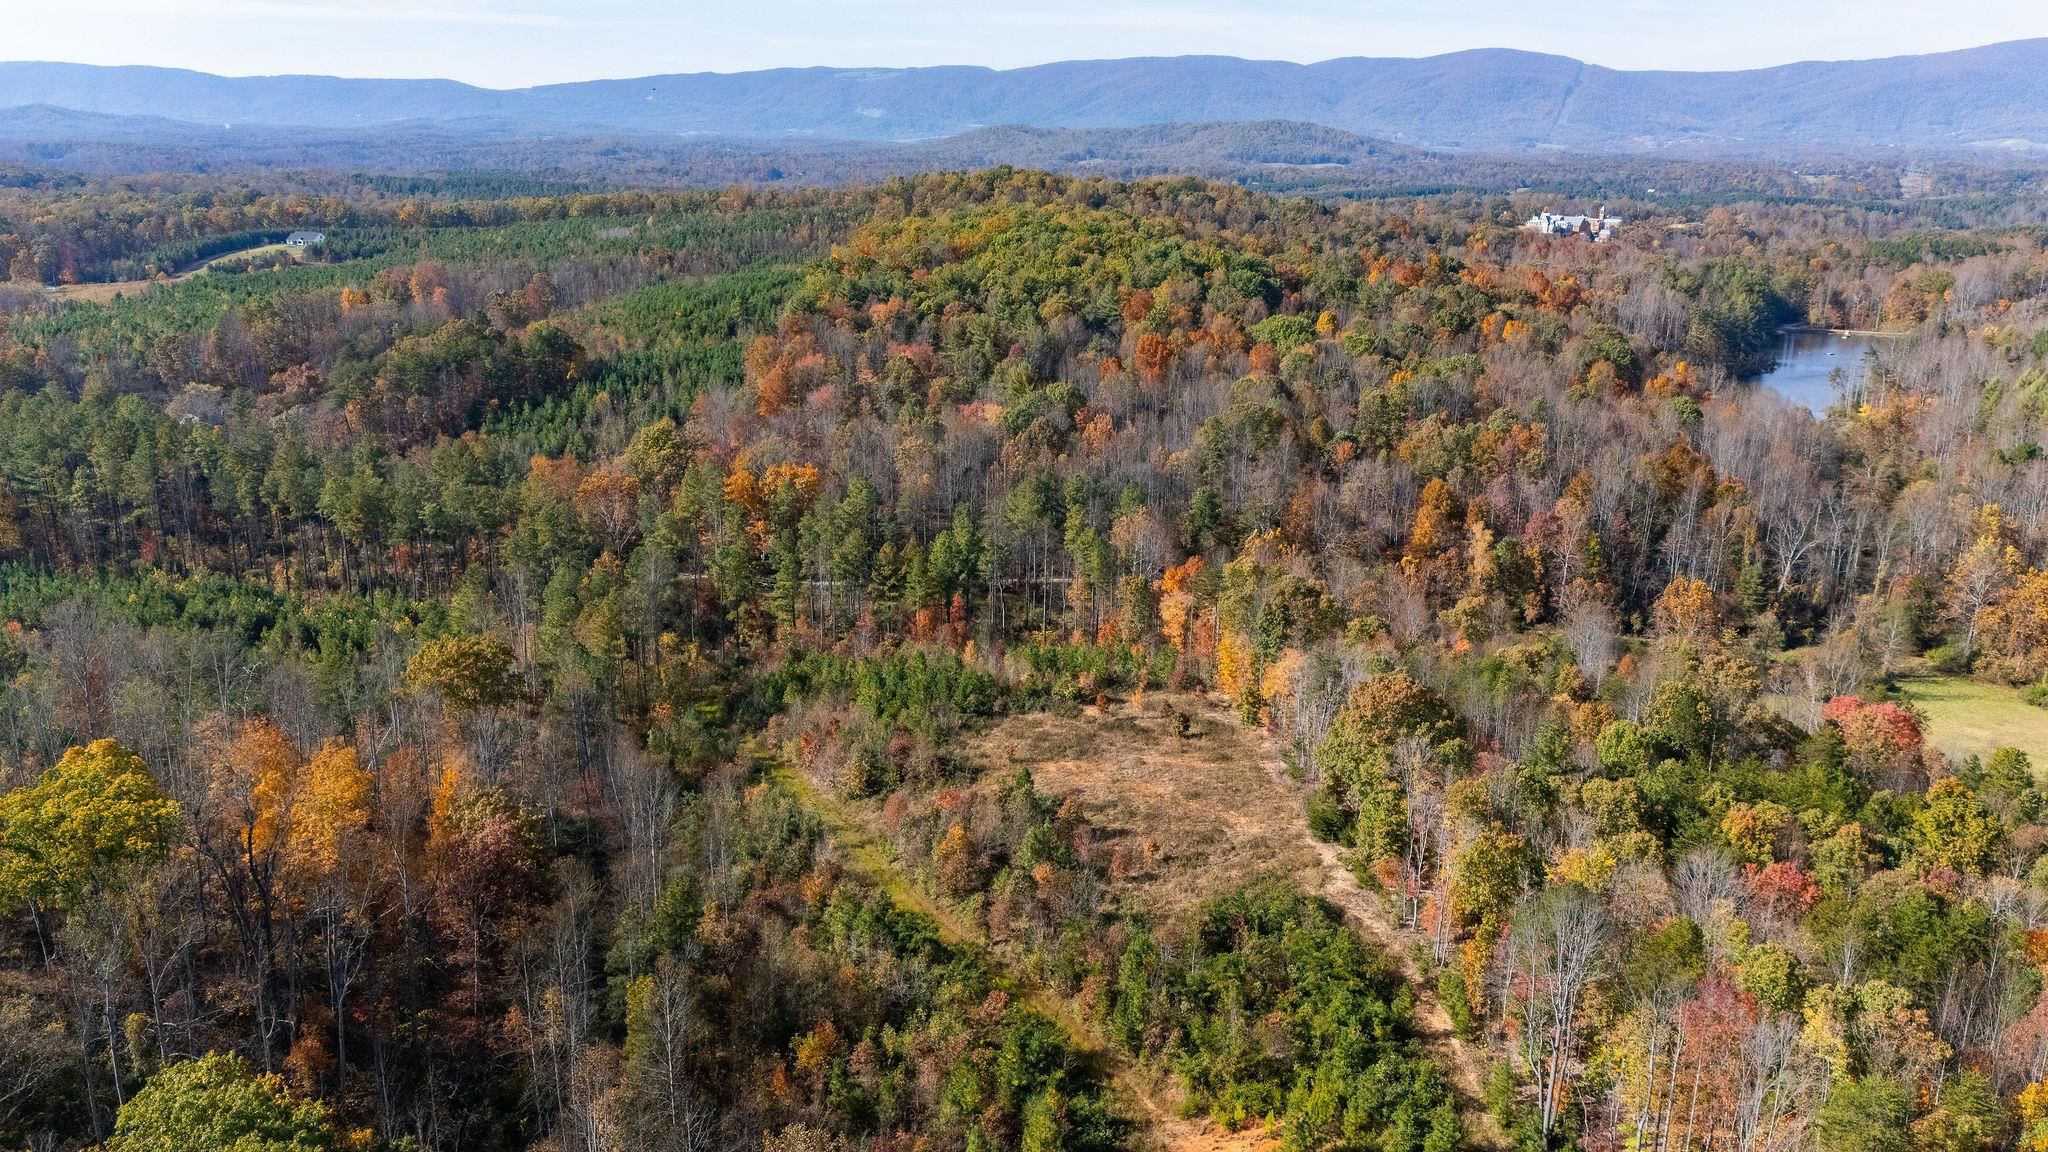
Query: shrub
{"type": "Point", "coordinates": [1948, 659]}
{"type": "Point", "coordinates": [1326, 817]}
{"type": "Point", "coordinates": [1457, 1001]}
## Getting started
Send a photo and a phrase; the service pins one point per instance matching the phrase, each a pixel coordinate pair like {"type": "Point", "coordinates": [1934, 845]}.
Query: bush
{"type": "Point", "coordinates": [1948, 659]}
{"type": "Point", "coordinates": [1457, 1001]}
{"type": "Point", "coordinates": [1326, 818]}
{"type": "Point", "coordinates": [2037, 693]}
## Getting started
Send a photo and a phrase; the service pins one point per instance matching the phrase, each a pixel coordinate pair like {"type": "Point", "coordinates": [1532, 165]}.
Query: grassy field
{"type": "Point", "coordinates": [1966, 717]}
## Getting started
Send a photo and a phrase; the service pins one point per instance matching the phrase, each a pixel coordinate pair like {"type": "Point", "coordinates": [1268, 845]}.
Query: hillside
{"type": "Point", "coordinates": [1272, 155]}
{"type": "Point", "coordinates": [1489, 99]}
{"type": "Point", "coordinates": [1010, 662]}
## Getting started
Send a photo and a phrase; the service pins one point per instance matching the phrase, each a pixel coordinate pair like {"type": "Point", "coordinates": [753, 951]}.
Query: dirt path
{"type": "Point", "coordinates": [1207, 813]}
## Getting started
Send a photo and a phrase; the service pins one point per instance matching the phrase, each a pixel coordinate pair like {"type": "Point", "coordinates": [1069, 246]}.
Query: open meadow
{"type": "Point", "coordinates": [1966, 718]}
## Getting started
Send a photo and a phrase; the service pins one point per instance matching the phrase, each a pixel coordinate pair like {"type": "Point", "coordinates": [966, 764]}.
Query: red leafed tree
{"type": "Point", "coordinates": [1884, 741]}
{"type": "Point", "coordinates": [1782, 891]}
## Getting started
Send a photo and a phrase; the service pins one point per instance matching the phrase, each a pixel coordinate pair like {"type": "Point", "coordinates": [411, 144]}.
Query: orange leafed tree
{"type": "Point", "coordinates": [1688, 610]}
{"type": "Point", "coordinates": [332, 811]}
{"type": "Point", "coordinates": [1137, 306]}
{"type": "Point", "coordinates": [1190, 631]}
{"type": "Point", "coordinates": [2013, 629]}
{"type": "Point", "coordinates": [253, 781]}
{"type": "Point", "coordinates": [1433, 538]}
{"type": "Point", "coordinates": [1153, 358]}
{"type": "Point", "coordinates": [1177, 602]}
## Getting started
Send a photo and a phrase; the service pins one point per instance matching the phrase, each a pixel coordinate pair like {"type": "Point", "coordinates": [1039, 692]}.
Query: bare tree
{"type": "Point", "coordinates": [1765, 1085]}
{"type": "Point", "coordinates": [1325, 684]}
{"type": "Point", "coordinates": [1591, 630]}
{"type": "Point", "coordinates": [656, 1101]}
{"type": "Point", "coordinates": [1653, 312]}
{"type": "Point", "coordinates": [1426, 845]}
{"type": "Point", "coordinates": [1554, 951]}
{"type": "Point", "coordinates": [1703, 878]}
{"type": "Point", "coordinates": [32, 1055]}
{"type": "Point", "coordinates": [1831, 668]}
{"type": "Point", "coordinates": [1405, 605]}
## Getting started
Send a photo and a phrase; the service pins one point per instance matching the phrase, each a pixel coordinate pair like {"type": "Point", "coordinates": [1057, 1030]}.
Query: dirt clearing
{"type": "Point", "coordinates": [1148, 1095]}
{"type": "Point", "coordinates": [1193, 816]}
{"type": "Point", "coordinates": [1200, 814]}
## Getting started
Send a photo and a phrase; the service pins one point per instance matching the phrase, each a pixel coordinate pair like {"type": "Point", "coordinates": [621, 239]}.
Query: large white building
{"type": "Point", "coordinates": [1599, 227]}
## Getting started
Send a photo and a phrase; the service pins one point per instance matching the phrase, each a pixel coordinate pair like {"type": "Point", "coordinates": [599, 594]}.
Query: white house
{"type": "Point", "coordinates": [305, 239]}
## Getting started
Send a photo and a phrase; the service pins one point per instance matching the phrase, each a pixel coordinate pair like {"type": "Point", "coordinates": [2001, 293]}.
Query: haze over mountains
{"type": "Point", "coordinates": [1488, 100]}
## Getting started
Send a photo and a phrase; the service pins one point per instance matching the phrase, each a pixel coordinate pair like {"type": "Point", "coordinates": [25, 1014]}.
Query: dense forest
{"type": "Point", "coordinates": [502, 679]}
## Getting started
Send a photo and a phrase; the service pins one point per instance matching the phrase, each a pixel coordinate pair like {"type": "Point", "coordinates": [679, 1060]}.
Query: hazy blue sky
{"type": "Point", "coordinates": [510, 43]}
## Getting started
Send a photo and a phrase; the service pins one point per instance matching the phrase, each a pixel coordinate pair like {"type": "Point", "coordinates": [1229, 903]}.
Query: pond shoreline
{"type": "Point", "coordinates": [1810, 330]}
{"type": "Point", "coordinates": [1812, 362]}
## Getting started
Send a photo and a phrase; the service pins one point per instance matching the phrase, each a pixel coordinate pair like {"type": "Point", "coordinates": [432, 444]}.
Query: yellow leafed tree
{"type": "Point", "coordinates": [334, 807]}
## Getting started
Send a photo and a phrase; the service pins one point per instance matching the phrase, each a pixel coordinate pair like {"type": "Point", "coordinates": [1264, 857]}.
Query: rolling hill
{"type": "Point", "coordinates": [1275, 155]}
{"type": "Point", "coordinates": [1493, 99]}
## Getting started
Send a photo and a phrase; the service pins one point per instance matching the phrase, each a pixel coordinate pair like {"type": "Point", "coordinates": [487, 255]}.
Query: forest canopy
{"type": "Point", "coordinates": [503, 679]}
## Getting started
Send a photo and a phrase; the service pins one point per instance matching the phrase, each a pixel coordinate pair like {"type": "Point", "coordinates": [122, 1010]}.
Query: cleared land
{"type": "Point", "coordinates": [103, 292]}
{"type": "Point", "coordinates": [1147, 1094]}
{"type": "Point", "coordinates": [1207, 812]}
{"type": "Point", "coordinates": [1965, 717]}
{"type": "Point", "coordinates": [1203, 812]}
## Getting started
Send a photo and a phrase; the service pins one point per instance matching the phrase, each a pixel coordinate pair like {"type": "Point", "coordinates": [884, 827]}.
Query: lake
{"type": "Point", "coordinates": [1807, 362]}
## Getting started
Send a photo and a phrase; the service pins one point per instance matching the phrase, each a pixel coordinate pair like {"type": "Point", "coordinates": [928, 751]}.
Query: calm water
{"type": "Point", "coordinates": [1808, 362]}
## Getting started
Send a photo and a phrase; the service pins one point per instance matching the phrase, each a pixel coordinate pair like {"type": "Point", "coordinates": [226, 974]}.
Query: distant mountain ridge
{"type": "Point", "coordinates": [1491, 99]}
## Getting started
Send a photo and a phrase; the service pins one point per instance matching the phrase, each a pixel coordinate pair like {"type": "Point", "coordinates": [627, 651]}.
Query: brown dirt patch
{"type": "Point", "coordinates": [1194, 816]}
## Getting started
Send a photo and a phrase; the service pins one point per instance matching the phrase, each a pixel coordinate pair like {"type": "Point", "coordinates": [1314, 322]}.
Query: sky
{"type": "Point", "coordinates": [514, 43]}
